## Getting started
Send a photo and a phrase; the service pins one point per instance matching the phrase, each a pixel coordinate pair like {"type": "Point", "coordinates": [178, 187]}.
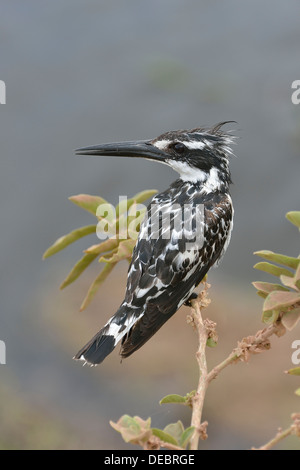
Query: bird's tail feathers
{"type": "Point", "coordinates": [105, 341]}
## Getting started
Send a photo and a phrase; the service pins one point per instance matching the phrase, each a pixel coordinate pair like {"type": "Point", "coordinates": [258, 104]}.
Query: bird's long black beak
{"type": "Point", "coordinates": [137, 148]}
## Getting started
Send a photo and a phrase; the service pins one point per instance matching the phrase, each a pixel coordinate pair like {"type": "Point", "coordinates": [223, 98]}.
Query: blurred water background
{"type": "Point", "coordinates": [80, 73]}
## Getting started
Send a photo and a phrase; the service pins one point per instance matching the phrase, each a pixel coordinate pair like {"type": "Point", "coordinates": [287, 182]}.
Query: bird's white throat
{"type": "Point", "coordinates": [210, 180]}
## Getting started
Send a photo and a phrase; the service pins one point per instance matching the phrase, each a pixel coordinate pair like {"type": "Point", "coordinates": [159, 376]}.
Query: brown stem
{"type": "Point", "coordinates": [250, 345]}
{"type": "Point", "coordinates": [293, 429]}
{"type": "Point", "coordinates": [279, 437]}
{"type": "Point", "coordinates": [198, 399]}
{"type": "Point", "coordinates": [154, 443]}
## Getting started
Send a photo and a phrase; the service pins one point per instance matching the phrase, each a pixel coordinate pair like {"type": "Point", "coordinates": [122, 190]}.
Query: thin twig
{"type": "Point", "coordinates": [250, 345]}
{"type": "Point", "coordinates": [293, 429]}
{"type": "Point", "coordinates": [279, 437]}
{"type": "Point", "coordinates": [154, 443]}
{"type": "Point", "coordinates": [198, 398]}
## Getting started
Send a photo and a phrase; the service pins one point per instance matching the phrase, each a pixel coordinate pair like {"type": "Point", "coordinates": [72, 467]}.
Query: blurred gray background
{"type": "Point", "coordinates": [80, 73]}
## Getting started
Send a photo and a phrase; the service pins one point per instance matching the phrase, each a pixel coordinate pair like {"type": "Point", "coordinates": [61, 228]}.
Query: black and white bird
{"type": "Point", "coordinates": [173, 253]}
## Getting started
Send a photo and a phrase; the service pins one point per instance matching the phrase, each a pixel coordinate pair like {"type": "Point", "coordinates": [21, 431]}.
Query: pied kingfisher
{"type": "Point", "coordinates": [168, 262]}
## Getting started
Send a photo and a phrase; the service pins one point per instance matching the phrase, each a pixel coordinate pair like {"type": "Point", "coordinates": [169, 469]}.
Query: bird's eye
{"type": "Point", "coordinates": [178, 147]}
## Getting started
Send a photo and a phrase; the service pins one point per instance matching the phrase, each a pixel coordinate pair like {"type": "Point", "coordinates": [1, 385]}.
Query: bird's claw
{"type": "Point", "coordinates": [188, 302]}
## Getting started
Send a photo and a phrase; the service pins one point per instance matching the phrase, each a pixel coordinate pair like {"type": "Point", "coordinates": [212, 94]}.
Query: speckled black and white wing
{"type": "Point", "coordinates": [164, 273]}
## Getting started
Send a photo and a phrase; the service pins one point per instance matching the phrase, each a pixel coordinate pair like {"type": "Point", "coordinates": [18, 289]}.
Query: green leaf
{"type": "Point", "coordinates": [268, 287]}
{"type": "Point", "coordinates": [297, 277]}
{"type": "Point", "coordinates": [107, 257]}
{"type": "Point", "coordinates": [125, 204]}
{"type": "Point", "coordinates": [107, 245]}
{"type": "Point", "coordinates": [290, 319]}
{"type": "Point", "coordinates": [270, 316]}
{"type": "Point", "coordinates": [88, 202]}
{"type": "Point", "coordinates": [134, 430]}
{"type": "Point", "coordinates": [173, 398]}
{"type": "Point", "coordinates": [264, 288]}
{"type": "Point", "coordinates": [145, 424]}
{"type": "Point", "coordinates": [106, 214]}
{"type": "Point", "coordinates": [79, 267]}
{"type": "Point", "coordinates": [295, 371]}
{"type": "Point", "coordinates": [294, 217]}
{"type": "Point", "coordinates": [134, 221]}
{"type": "Point", "coordinates": [262, 294]}
{"type": "Point", "coordinates": [278, 258]}
{"type": "Point", "coordinates": [288, 281]}
{"type": "Point", "coordinates": [144, 195]}
{"type": "Point", "coordinates": [211, 343]}
{"type": "Point", "coordinates": [297, 392]}
{"type": "Point", "coordinates": [175, 429]}
{"type": "Point", "coordinates": [164, 436]}
{"type": "Point", "coordinates": [186, 436]}
{"type": "Point", "coordinates": [272, 269]}
{"type": "Point", "coordinates": [66, 240]}
{"type": "Point", "coordinates": [96, 284]}
{"type": "Point", "coordinates": [124, 251]}
{"type": "Point", "coordinates": [120, 227]}
{"type": "Point", "coordinates": [279, 300]}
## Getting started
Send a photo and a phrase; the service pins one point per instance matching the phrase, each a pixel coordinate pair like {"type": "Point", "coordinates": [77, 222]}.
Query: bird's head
{"type": "Point", "coordinates": [199, 155]}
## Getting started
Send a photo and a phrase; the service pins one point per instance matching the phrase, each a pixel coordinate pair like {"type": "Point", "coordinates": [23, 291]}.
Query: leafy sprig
{"type": "Point", "coordinates": [117, 247]}
{"type": "Point", "coordinates": [282, 298]}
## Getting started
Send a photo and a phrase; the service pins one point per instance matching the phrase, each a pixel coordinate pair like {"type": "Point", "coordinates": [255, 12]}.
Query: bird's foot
{"type": "Point", "coordinates": [188, 302]}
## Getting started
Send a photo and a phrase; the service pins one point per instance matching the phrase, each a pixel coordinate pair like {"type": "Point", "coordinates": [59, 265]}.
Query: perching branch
{"type": "Point", "coordinates": [198, 399]}
{"type": "Point", "coordinates": [293, 429]}
{"type": "Point", "coordinates": [250, 345]}
{"type": "Point", "coordinates": [154, 443]}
